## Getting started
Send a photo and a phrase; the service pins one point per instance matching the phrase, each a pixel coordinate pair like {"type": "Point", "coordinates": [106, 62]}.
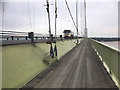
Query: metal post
{"type": "Point", "coordinates": [55, 17]}
{"type": "Point", "coordinates": [51, 48]}
{"type": "Point", "coordinates": [31, 36]}
{"type": "Point", "coordinates": [77, 19]}
{"type": "Point", "coordinates": [85, 31]}
{"type": "Point", "coordinates": [55, 48]}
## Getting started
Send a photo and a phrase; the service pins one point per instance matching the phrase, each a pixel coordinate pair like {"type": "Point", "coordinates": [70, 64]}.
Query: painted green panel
{"type": "Point", "coordinates": [20, 63]}
{"type": "Point", "coordinates": [111, 58]}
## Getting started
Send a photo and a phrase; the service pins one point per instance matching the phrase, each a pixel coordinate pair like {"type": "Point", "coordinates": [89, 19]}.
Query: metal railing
{"type": "Point", "coordinates": [110, 58]}
{"type": "Point", "coordinates": [15, 35]}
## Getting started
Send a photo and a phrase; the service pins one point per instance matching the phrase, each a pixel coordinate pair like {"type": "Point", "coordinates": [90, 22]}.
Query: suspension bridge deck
{"type": "Point", "coordinates": [79, 68]}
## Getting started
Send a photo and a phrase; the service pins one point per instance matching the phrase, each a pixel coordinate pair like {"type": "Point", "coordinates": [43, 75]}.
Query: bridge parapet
{"type": "Point", "coordinates": [21, 63]}
{"type": "Point", "coordinates": [110, 58]}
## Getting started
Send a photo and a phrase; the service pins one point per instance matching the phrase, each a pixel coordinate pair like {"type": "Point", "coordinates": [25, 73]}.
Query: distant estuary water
{"type": "Point", "coordinates": [114, 44]}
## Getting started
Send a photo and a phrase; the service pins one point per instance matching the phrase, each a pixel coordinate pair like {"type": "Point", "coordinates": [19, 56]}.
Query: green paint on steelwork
{"type": "Point", "coordinates": [110, 58]}
{"type": "Point", "coordinates": [21, 63]}
{"type": "Point", "coordinates": [64, 47]}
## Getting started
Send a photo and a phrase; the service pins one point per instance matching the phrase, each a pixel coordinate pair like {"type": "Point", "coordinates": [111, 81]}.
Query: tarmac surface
{"type": "Point", "coordinates": [79, 68]}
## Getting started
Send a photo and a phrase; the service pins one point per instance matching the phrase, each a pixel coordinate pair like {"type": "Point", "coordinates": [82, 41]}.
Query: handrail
{"type": "Point", "coordinates": [107, 46]}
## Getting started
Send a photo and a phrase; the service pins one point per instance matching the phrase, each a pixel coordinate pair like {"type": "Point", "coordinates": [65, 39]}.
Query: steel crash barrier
{"type": "Point", "coordinates": [110, 58]}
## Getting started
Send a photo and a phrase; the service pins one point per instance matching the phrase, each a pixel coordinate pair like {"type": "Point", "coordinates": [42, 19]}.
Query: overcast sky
{"type": "Point", "coordinates": [102, 16]}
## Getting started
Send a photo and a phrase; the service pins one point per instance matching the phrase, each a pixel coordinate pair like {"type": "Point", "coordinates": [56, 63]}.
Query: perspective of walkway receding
{"type": "Point", "coordinates": [79, 68]}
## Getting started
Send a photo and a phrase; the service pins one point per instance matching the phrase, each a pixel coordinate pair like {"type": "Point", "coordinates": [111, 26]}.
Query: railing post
{"type": "Point", "coordinates": [31, 36]}
{"type": "Point", "coordinates": [36, 38]}
{"type": "Point", "coordinates": [52, 37]}
{"type": "Point", "coordinates": [26, 38]}
{"type": "Point", "coordinates": [12, 37]}
{"type": "Point", "coordinates": [61, 37]}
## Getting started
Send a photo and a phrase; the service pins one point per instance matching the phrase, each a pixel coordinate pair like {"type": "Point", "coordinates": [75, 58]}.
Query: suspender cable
{"type": "Point", "coordinates": [29, 14]}
{"type": "Point", "coordinates": [34, 19]}
{"type": "Point", "coordinates": [51, 48]}
{"type": "Point", "coordinates": [3, 16]}
{"type": "Point", "coordinates": [30, 34]}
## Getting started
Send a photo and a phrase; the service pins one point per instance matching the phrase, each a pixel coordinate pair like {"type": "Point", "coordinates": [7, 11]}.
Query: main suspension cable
{"type": "Point", "coordinates": [70, 14]}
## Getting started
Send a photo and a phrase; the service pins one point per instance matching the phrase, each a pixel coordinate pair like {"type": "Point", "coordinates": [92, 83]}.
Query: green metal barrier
{"type": "Point", "coordinates": [110, 58]}
{"type": "Point", "coordinates": [21, 63]}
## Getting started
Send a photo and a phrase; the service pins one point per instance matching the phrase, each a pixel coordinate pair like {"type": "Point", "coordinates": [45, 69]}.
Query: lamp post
{"type": "Point", "coordinates": [55, 49]}
{"type": "Point", "coordinates": [85, 30]}
{"type": "Point", "coordinates": [77, 19]}
{"type": "Point", "coordinates": [51, 48]}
